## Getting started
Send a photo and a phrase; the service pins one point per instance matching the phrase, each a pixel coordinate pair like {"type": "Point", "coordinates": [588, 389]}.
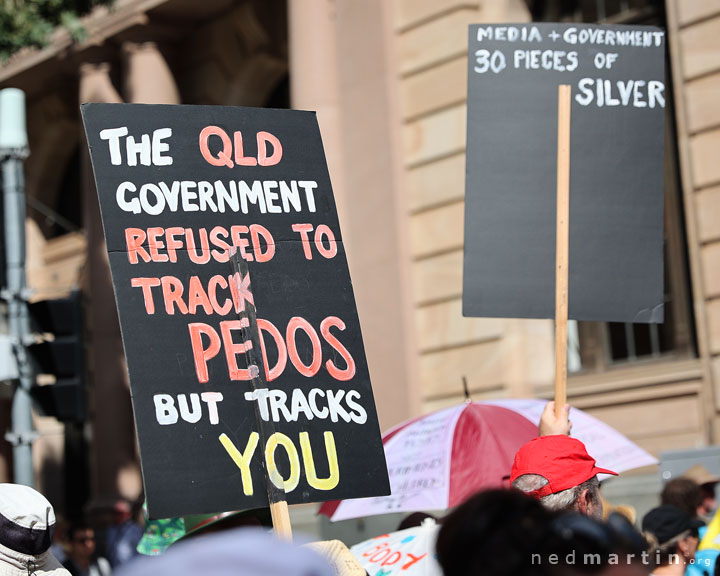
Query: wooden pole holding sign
{"type": "Point", "coordinates": [562, 247]}
{"type": "Point", "coordinates": [274, 481]}
{"type": "Point", "coordinates": [281, 520]}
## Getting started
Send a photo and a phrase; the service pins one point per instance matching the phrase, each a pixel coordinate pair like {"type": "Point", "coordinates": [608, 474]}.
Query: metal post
{"type": "Point", "coordinates": [13, 149]}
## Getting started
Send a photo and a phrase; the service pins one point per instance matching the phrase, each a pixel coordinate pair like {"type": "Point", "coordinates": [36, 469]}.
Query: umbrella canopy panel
{"type": "Point", "coordinates": [437, 461]}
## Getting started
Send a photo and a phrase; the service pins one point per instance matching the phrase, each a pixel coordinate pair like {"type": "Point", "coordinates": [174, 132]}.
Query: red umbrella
{"type": "Point", "coordinates": [438, 460]}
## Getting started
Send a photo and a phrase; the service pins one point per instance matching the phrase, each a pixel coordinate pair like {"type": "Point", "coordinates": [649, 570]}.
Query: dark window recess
{"type": "Point", "coordinates": [280, 96]}
{"type": "Point", "coordinates": [64, 213]}
{"type": "Point", "coordinates": [596, 346]}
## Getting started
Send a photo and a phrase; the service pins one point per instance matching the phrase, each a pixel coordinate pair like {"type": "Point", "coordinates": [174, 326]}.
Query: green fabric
{"type": "Point", "coordinates": [159, 534]}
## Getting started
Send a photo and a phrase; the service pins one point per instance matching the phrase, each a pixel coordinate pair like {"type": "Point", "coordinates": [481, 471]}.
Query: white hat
{"type": "Point", "coordinates": [27, 523]}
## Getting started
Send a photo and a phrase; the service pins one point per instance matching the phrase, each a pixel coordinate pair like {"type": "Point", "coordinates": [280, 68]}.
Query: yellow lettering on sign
{"type": "Point", "coordinates": [320, 483]}
{"type": "Point", "coordinates": [242, 460]}
{"type": "Point", "coordinates": [279, 439]}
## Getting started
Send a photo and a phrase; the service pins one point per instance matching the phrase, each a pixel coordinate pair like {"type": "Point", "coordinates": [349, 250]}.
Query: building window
{"type": "Point", "coordinates": [597, 346]}
{"type": "Point", "coordinates": [603, 11]}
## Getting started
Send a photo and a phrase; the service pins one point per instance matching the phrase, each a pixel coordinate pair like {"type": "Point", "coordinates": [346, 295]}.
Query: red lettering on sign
{"type": "Point", "coordinates": [232, 349]}
{"type": "Point", "coordinates": [204, 256]}
{"type": "Point", "coordinates": [263, 139]}
{"type": "Point", "coordinates": [225, 156]}
{"type": "Point", "coordinates": [201, 355]}
{"type": "Point", "coordinates": [146, 284]}
{"type": "Point", "coordinates": [332, 369]}
{"type": "Point", "coordinates": [413, 560]}
{"type": "Point", "coordinates": [287, 347]}
{"type": "Point", "coordinates": [172, 290]}
{"type": "Point", "coordinates": [303, 229]}
{"type": "Point", "coordinates": [134, 239]}
{"type": "Point", "coordinates": [197, 297]}
{"type": "Point", "coordinates": [292, 328]}
{"type": "Point", "coordinates": [240, 157]}
{"type": "Point", "coordinates": [269, 327]}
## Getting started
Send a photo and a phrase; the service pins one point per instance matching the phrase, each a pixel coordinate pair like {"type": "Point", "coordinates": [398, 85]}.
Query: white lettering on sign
{"type": "Point", "coordinates": [166, 412]}
{"type": "Point", "coordinates": [636, 93]}
{"type": "Point", "coordinates": [322, 404]}
{"type": "Point", "coordinates": [509, 33]}
{"type": "Point", "coordinates": [503, 50]}
{"type": "Point", "coordinates": [637, 38]}
{"type": "Point", "coordinates": [146, 150]}
{"type": "Point", "coordinates": [271, 196]}
{"type": "Point", "coordinates": [558, 60]}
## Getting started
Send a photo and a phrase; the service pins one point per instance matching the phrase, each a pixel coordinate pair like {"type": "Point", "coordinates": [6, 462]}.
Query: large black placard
{"type": "Point", "coordinates": [616, 178]}
{"type": "Point", "coordinates": [178, 186]}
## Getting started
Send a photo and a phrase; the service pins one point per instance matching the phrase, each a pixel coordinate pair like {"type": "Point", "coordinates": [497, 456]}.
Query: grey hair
{"type": "Point", "coordinates": [566, 500]}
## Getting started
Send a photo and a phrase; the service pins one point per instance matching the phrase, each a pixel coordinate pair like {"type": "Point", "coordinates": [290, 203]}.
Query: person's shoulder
{"type": "Point", "coordinates": [104, 566]}
{"type": "Point", "coordinates": [66, 568]}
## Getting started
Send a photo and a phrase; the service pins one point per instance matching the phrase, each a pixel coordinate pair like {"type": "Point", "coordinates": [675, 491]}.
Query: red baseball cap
{"type": "Point", "coordinates": [564, 461]}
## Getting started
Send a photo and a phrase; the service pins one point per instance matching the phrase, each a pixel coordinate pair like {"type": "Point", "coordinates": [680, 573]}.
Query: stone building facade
{"type": "Point", "coordinates": [388, 82]}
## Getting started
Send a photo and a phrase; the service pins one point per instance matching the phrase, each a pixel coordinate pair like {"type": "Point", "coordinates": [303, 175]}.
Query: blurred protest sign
{"type": "Point", "coordinates": [617, 78]}
{"type": "Point", "coordinates": [180, 188]}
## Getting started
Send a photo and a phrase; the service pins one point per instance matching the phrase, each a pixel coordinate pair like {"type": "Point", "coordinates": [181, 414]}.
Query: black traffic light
{"type": "Point", "coordinates": [59, 352]}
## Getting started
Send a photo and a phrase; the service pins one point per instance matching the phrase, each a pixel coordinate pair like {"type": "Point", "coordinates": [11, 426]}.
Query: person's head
{"type": "Point", "coordinates": [122, 511]}
{"type": "Point", "coordinates": [682, 493]}
{"type": "Point", "coordinates": [197, 525]}
{"type": "Point", "coordinates": [590, 547]}
{"type": "Point", "coordinates": [559, 472]}
{"type": "Point", "coordinates": [494, 532]}
{"type": "Point", "coordinates": [27, 525]}
{"type": "Point", "coordinates": [415, 519]}
{"type": "Point", "coordinates": [81, 538]}
{"type": "Point", "coordinates": [238, 552]}
{"type": "Point", "coordinates": [707, 481]}
{"type": "Point", "coordinates": [709, 503]}
{"type": "Point", "coordinates": [672, 535]}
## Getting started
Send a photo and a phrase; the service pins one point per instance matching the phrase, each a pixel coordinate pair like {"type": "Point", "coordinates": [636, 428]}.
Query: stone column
{"type": "Point", "coordinates": [113, 459]}
{"type": "Point", "coordinates": [352, 91]}
{"type": "Point", "coordinates": [314, 83]}
{"type": "Point", "coordinates": [147, 78]}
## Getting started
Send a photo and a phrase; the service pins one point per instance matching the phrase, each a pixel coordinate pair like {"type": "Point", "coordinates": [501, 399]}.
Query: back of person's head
{"type": "Point", "coordinates": [682, 493]}
{"type": "Point", "coordinates": [27, 524]}
{"type": "Point", "coordinates": [77, 527]}
{"type": "Point", "coordinates": [559, 472]}
{"type": "Point", "coordinates": [415, 519]}
{"type": "Point", "coordinates": [237, 552]}
{"type": "Point", "coordinates": [584, 546]}
{"type": "Point", "coordinates": [585, 496]}
{"type": "Point", "coordinates": [494, 532]}
{"type": "Point", "coordinates": [672, 534]}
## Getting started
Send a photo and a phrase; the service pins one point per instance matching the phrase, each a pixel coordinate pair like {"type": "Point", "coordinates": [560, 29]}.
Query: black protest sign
{"type": "Point", "coordinates": [617, 78]}
{"type": "Point", "coordinates": [180, 188]}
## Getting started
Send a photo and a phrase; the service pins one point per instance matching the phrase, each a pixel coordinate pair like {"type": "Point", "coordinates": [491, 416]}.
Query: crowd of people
{"type": "Point", "coordinates": [550, 521]}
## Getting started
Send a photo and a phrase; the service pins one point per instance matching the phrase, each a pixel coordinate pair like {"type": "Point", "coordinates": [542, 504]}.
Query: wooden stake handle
{"type": "Point", "coordinates": [281, 520]}
{"type": "Point", "coordinates": [562, 247]}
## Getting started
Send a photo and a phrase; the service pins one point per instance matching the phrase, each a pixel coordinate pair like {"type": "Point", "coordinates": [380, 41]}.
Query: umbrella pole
{"type": "Point", "coordinates": [562, 247]}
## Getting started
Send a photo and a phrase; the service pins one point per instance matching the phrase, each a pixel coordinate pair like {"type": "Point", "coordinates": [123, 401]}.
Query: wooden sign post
{"type": "Point", "coordinates": [251, 337]}
{"type": "Point", "coordinates": [562, 246]}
